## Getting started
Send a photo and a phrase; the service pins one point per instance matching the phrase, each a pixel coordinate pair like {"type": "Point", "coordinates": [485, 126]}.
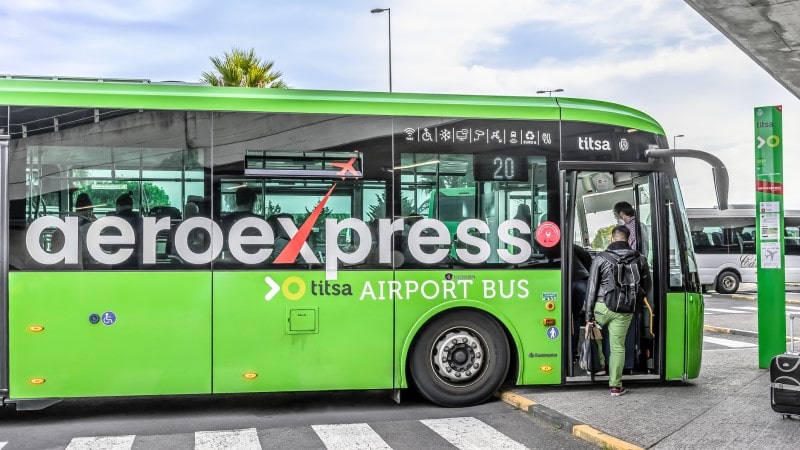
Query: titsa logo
{"type": "Point", "coordinates": [293, 288]}
{"type": "Point", "coordinates": [588, 143]}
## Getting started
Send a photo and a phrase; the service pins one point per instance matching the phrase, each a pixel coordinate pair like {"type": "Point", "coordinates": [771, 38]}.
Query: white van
{"type": "Point", "coordinates": [725, 246]}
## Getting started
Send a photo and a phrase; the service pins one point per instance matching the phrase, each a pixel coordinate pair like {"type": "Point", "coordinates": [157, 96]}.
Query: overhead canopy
{"type": "Point", "coordinates": [766, 30]}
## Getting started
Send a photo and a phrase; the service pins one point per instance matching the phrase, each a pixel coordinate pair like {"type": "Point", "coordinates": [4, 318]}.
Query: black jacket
{"type": "Point", "coordinates": [601, 276]}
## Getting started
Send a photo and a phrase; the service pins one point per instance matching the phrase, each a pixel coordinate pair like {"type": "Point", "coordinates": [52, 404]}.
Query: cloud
{"type": "Point", "coordinates": [659, 56]}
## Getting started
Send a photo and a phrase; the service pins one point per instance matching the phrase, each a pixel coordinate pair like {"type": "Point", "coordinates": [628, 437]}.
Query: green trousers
{"type": "Point", "coordinates": [617, 325]}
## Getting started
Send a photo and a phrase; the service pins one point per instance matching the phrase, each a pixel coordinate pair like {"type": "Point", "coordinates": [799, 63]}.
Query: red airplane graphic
{"type": "Point", "coordinates": [346, 167]}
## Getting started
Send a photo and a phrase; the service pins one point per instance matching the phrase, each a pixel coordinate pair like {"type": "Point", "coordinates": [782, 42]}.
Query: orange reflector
{"type": "Point", "coordinates": [549, 322]}
{"type": "Point", "coordinates": [546, 368]}
{"type": "Point", "coordinates": [550, 306]}
{"type": "Point", "coordinates": [36, 328]}
{"type": "Point", "coordinates": [37, 380]}
{"type": "Point", "coordinates": [250, 375]}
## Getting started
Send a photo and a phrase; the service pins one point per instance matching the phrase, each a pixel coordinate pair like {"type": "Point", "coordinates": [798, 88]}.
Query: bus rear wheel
{"type": "Point", "coordinates": [460, 359]}
{"type": "Point", "coordinates": [727, 282]}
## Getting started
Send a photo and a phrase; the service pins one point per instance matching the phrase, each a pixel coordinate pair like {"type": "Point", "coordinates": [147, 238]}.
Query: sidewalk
{"type": "Point", "coordinates": [728, 406]}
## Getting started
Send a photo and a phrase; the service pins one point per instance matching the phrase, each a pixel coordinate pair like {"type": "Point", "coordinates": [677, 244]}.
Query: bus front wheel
{"type": "Point", "coordinates": [727, 282]}
{"type": "Point", "coordinates": [460, 358]}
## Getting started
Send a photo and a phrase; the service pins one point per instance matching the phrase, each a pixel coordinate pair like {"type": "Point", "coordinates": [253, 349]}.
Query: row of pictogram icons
{"type": "Point", "coordinates": [478, 136]}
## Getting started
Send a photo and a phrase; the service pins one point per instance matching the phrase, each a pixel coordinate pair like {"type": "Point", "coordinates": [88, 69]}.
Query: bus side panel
{"type": "Point", "coordinates": [695, 318]}
{"type": "Point", "coordinates": [676, 336]}
{"type": "Point", "coordinates": [295, 331]}
{"type": "Point", "coordinates": [153, 335]}
{"type": "Point", "coordinates": [518, 295]}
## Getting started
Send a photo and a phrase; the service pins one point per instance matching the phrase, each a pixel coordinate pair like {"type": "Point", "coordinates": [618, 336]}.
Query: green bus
{"type": "Point", "coordinates": [166, 239]}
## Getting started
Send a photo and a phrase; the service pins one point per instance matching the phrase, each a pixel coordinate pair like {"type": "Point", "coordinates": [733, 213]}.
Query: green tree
{"type": "Point", "coordinates": [243, 69]}
{"type": "Point", "coordinates": [602, 238]}
{"type": "Point", "coordinates": [105, 199]}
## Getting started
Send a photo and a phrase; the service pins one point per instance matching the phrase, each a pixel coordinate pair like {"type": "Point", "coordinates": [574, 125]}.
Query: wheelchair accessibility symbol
{"type": "Point", "coordinates": [108, 318]}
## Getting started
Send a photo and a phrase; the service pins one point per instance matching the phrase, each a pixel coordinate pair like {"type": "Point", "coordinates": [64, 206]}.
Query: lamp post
{"type": "Point", "coordinates": [549, 91]}
{"type": "Point", "coordinates": [388, 10]}
{"type": "Point", "coordinates": [674, 138]}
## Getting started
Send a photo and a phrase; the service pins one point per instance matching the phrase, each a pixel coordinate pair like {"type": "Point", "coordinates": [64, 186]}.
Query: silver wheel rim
{"type": "Point", "coordinates": [458, 356]}
{"type": "Point", "coordinates": [728, 282]}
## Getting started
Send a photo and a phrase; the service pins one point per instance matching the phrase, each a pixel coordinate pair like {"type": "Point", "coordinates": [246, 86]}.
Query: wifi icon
{"type": "Point", "coordinates": [410, 133]}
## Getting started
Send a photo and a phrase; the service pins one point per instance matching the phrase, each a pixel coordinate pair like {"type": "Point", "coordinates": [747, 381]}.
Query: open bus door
{"type": "Point", "coordinates": [590, 196]}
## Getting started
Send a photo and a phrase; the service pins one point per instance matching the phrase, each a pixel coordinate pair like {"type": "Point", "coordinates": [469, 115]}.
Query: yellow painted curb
{"type": "Point", "coordinates": [516, 400]}
{"type": "Point", "coordinates": [717, 329]}
{"type": "Point", "coordinates": [601, 439]}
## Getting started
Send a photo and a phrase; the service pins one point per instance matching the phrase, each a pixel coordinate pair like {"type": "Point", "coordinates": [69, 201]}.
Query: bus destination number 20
{"type": "Point", "coordinates": [501, 168]}
{"type": "Point", "coordinates": [504, 168]}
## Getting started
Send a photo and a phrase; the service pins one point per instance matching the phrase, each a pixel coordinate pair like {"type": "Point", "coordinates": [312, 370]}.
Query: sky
{"type": "Point", "coordinates": [658, 56]}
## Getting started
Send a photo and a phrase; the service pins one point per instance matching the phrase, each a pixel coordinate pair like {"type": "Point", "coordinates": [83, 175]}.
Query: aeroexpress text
{"type": "Point", "coordinates": [428, 241]}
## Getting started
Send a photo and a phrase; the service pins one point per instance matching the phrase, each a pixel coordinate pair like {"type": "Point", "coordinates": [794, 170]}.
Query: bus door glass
{"type": "Point", "coordinates": [683, 313]}
{"type": "Point", "coordinates": [594, 199]}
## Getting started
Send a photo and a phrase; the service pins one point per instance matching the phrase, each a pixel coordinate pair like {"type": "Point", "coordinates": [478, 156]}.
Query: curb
{"type": "Point", "coordinates": [753, 298]}
{"type": "Point", "coordinates": [576, 428]}
{"type": "Point", "coordinates": [754, 334]}
{"type": "Point", "coordinates": [723, 330]}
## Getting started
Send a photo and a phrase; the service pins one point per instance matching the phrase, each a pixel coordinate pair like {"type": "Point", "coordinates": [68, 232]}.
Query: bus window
{"type": "Point", "coordinates": [156, 179]}
{"type": "Point", "coordinates": [444, 187]}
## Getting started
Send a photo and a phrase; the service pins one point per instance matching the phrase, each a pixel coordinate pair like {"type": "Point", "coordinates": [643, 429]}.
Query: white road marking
{"type": "Point", "coordinates": [728, 342]}
{"type": "Point", "coordinates": [101, 443]}
{"type": "Point", "coordinates": [246, 439]}
{"type": "Point", "coordinates": [350, 436]}
{"type": "Point", "coordinates": [3, 444]}
{"type": "Point", "coordinates": [728, 311]}
{"type": "Point", "coordinates": [469, 433]}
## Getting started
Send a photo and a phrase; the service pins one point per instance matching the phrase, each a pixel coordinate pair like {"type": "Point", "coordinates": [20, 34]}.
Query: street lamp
{"type": "Point", "coordinates": [550, 91]}
{"type": "Point", "coordinates": [675, 138]}
{"type": "Point", "coordinates": [388, 10]}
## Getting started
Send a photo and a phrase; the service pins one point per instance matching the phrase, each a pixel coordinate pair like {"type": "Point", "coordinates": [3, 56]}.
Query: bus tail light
{"type": "Point", "coordinates": [550, 306]}
{"type": "Point", "coordinates": [549, 321]}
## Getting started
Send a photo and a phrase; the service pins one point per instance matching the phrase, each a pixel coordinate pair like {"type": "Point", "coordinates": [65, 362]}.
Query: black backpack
{"type": "Point", "coordinates": [625, 269]}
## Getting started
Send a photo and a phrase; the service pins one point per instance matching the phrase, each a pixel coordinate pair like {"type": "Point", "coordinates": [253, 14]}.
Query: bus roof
{"type": "Point", "coordinates": [129, 94]}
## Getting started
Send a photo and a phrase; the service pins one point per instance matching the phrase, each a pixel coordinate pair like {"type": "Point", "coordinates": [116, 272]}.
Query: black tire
{"type": "Point", "coordinates": [477, 356]}
{"type": "Point", "coordinates": [727, 282]}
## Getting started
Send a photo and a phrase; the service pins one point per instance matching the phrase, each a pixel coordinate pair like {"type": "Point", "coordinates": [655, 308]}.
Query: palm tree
{"type": "Point", "coordinates": [244, 69]}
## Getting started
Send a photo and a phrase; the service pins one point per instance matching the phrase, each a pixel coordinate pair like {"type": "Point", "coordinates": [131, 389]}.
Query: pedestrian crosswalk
{"type": "Point", "coordinates": [471, 433]}
{"type": "Point", "coordinates": [730, 343]}
{"type": "Point", "coordinates": [466, 433]}
{"type": "Point", "coordinates": [744, 310]}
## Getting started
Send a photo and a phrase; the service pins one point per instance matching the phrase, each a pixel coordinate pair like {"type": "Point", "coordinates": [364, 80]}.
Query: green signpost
{"type": "Point", "coordinates": [769, 233]}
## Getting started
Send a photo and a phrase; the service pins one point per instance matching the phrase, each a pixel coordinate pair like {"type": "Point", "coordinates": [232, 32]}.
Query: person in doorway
{"type": "Point", "coordinates": [602, 285]}
{"type": "Point", "coordinates": [627, 215]}
{"type": "Point", "coordinates": [581, 262]}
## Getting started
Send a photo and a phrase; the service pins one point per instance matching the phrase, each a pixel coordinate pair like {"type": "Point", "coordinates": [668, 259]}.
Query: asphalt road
{"type": "Point", "coordinates": [276, 421]}
{"type": "Point", "coordinates": [739, 312]}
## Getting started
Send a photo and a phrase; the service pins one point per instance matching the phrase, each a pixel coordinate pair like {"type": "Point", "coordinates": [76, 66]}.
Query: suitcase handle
{"type": "Point", "coordinates": [792, 316]}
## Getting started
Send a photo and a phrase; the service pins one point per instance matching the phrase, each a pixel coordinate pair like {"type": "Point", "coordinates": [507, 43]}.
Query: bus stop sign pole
{"type": "Point", "coordinates": [771, 275]}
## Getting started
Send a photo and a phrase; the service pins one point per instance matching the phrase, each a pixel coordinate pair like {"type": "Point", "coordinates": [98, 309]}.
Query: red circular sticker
{"type": "Point", "coordinates": [548, 234]}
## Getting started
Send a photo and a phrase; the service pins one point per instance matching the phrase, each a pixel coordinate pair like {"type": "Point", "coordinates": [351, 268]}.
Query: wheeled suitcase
{"type": "Point", "coordinates": [784, 375]}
